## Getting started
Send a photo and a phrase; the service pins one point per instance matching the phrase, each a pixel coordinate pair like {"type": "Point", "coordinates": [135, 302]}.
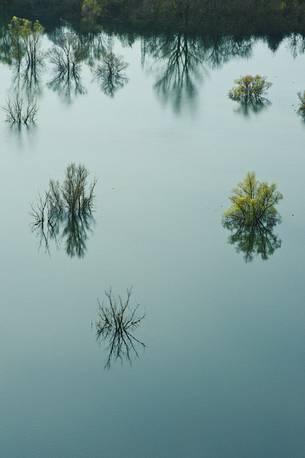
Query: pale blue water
{"type": "Point", "coordinates": [223, 373]}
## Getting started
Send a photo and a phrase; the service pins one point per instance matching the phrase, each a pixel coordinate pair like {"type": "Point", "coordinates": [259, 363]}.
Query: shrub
{"type": "Point", "coordinates": [65, 211]}
{"type": "Point", "coordinates": [253, 202]}
{"type": "Point", "coordinates": [250, 89]}
{"type": "Point", "coordinates": [302, 103]}
{"type": "Point", "coordinates": [252, 218]}
{"type": "Point", "coordinates": [19, 111]}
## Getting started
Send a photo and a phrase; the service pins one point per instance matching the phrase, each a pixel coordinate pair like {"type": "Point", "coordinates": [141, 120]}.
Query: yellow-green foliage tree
{"type": "Point", "coordinates": [250, 89]}
{"type": "Point", "coordinates": [25, 37]}
{"type": "Point", "coordinates": [252, 218]}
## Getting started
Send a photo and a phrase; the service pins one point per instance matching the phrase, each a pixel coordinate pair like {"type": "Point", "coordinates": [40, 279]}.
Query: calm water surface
{"type": "Point", "coordinates": [222, 374]}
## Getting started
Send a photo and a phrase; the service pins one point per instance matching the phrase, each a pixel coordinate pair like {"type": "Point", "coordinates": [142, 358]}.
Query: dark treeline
{"type": "Point", "coordinates": [258, 17]}
{"type": "Point", "coordinates": [49, 12]}
{"type": "Point", "coordinates": [276, 16]}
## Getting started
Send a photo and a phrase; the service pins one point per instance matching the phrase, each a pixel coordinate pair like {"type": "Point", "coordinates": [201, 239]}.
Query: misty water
{"type": "Point", "coordinates": [222, 373]}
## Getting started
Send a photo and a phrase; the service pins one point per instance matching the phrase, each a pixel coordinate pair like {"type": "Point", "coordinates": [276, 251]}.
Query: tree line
{"type": "Point", "coordinates": [270, 17]}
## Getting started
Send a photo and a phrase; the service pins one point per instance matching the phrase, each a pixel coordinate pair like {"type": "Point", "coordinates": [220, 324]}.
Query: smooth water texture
{"type": "Point", "coordinates": [222, 374]}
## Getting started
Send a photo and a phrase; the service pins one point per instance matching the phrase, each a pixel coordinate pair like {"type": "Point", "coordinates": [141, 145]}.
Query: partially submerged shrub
{"type": "Point", "coordinates": [253, 216]}
{"type": "Point", "coordinates": [20, 111]}
{"type": "Point", "coordinates": [254, 202]}
{"type": "Point", "coordinates": [66, 56]}
{"type": "Point", "coordinates": [25, 40]}
{"type": "Point", "coordinates": [250, 89]}
{"type": "Point", "coordinates": [65, 211]}
{"type": "Point", "coordinates": [302, 103]}
{"type": "Point", "coordinates": [116, 319]}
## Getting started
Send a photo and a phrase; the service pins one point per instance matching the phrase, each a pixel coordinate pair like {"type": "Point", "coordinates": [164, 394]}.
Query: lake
{"type": "Point", "coordinates": [222, 373]}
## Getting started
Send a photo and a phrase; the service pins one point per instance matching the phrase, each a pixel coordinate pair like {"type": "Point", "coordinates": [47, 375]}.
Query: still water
{"type": "Point", "coordinates": [222, 373]}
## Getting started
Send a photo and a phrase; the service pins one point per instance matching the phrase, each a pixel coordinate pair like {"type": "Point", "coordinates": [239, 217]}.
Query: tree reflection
{"type": "Point", "coordinates": [20, 48]}
{"type": "Point", "coordinates": [253, 217]}
{"type": "Point", "coordinates": [66, 56]}
{"type": "Point", "coordinates": [185, 59]}
{"type": "Point", "coordinates": [180, 75]}
{"type": "Point", "coordinates": [296, 43]}
{"type": "Point", "coordinates": [110, 73]}
{"type": "Point", "coordinates": [116, 321]}
{"type": "Point", "coordinates": [64, 213]}
{"type": "Point", "coordinates": [220, 50]}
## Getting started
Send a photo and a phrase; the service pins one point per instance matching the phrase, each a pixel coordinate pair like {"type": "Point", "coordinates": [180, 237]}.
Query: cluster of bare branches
{"type": "Point", "coordinates": [65, 211]}
{"type": "Point", "coordinates": [20, 111]}
{"type": "Point", "coordinates": [115, 322]}
{"type": "Point", "coordinates": [111, 74]}
{"type": "Point", "coordinates": [66, 57]}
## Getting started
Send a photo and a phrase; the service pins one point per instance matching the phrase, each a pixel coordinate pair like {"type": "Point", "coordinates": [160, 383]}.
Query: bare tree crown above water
{"type": "Point", "coordinates": [253, 217]}
{"type": "Point", "coordinates": [117, 318]}
{"type": "Point", "coordinates": [20, 111]}
{"type": "Point", "coordinates": [65, 211]}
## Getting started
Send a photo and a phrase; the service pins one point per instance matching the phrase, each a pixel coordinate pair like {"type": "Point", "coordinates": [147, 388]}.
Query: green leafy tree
{"type": "Point", "coordinates": [253, 217]}
{"type": "Point", "coordinates": [250, 89]}
{"type": "Point", "coordinates": [25, 36]}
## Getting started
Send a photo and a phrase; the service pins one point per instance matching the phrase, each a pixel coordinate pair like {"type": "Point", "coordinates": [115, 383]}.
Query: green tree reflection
{"type": "Point", "coordinates": [253, 217]}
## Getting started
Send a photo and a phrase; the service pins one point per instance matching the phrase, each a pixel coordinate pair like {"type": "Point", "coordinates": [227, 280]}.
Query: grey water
{"type": "Point", "coordinates": [222, 373]}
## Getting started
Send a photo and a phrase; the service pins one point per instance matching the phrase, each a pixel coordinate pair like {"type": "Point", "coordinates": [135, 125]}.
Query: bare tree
{"type": "Point", "coordinates": [65, 212]}
{"type": "Point", "coordinates": [20, 111]}
{"type": "Point", "coordinates": [115, 322]}
{"type": "Point", "coordinates": [111, 74]}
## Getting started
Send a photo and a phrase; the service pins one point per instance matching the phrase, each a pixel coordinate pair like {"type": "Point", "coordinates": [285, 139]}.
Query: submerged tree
{"type": "Point", "coordinates": [302, 103]}
{"type": "Point", "coordinates": [111, 74]}
{"type": "Point", "coordinates": [253, 217]}
{"type": "Point", "coordinates": [20, 111]}
{"type": "Point", "coordinates": [25, 40]}
{"type": "Point", "coordinates": [116, 321]}
{"type": "Point", "coordinates": [21, 49]}
{"type": "Point", "coordinates": [65, 211]}
{"type": "Point", "coordinates": [182, 57]}
{"type": "Point", "coordinates": [250, 90]}
{"type": "Point", "coordinates": [66, 56]}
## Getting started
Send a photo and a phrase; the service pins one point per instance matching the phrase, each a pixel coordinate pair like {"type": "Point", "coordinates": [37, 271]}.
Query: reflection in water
{"type": "Point", "coordinates": [184, 58]}
{"type": "Point", "coordinates": [114, 327]}
{"type": "Point", "coordinates": [20, 111]}
{"type": "Point", "coordinates": [181, 72]}
{"type": "Point", "coordinates": [65, 212]}
{"type": "Point", "coordinates": [247, 109]}
{"type": "Point", "coordinates": [301, 109]}
{"type": "Point", "coordinates": [66, 56]}
{"type": "Point", "coordinates": [110, 73]}
{"type": "Point", "coordinates": [180, 60]}
{"type": "Point", "coordinates": [20, 48]}
{"type": "Point", "coordinates": [296, 44]}
{"type": "Point", "coordinates": [253, 217]}
{"type": "Point", "coordinates": [250, 92]}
